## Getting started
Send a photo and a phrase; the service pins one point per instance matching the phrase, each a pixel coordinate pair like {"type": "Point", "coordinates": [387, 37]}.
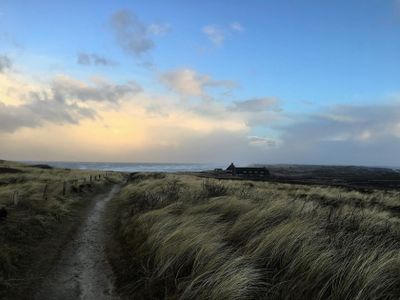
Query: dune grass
{"type": "Point", "coordinates": [38, 201]}
{"type": "Point", "coordinates": [182, 237]}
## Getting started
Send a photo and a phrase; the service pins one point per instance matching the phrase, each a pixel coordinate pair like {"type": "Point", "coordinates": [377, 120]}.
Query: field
{"type": "Point", "coordinates": [353, 177]}
{"type": "Point", "coordinates": [185, 237]}
{"type": "Point", "coordinates": [39, 209]}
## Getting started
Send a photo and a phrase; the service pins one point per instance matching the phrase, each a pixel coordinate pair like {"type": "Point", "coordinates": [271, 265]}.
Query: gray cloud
{"type": "Point", "coordinates": [88, 59]}
{"type": "Point", "coordinates": [256, 105]}
{"type": "Point", "coordinates": [358, 123]}
{"type": "Point", "coordinates": [42, 109]}
{"type": "Point", "coordinates": [5, 63]}
{"type": "Point", "coordinates": [358, 135]}
{"type": "Point", "coordinates": [58, 110]}
{"type": "Point", "coordinates": [13, 117]}
{"type": "Point", "coordinates": [63, 104]}
{"type": "Point", "coordinates": [132, 35]}
{"type": "Point", "coordinates": [351, 135]}
{"type": "Point", "coordinates": [101, 91]}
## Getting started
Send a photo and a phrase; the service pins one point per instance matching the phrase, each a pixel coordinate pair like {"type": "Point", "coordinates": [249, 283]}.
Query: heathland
{"type": "Point", "coordinates": [185, 237]}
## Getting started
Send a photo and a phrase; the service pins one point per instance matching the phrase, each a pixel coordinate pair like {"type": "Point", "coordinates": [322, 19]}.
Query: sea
{"type": "Point", "coordinates": [133, 167]}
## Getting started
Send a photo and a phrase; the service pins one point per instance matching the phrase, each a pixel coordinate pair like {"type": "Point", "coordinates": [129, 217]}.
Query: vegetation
{"type": "Point", "coordinates": [182, 237]}
{"type": "Point", "coordinates": [37, 204]}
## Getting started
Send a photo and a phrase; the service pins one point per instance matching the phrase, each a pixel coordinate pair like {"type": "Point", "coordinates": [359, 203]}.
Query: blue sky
{"type": "Point", "coordinates": [310, 56]}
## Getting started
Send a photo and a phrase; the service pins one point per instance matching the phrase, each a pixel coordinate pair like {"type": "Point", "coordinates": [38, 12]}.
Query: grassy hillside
{"type": "Point", "coordinates": [190, 238]}
{"type": "Point", "coordinates": [36, 204]}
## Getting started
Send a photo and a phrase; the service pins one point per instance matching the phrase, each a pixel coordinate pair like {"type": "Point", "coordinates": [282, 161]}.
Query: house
{"type": "Point", "coordinates": [248, 172]}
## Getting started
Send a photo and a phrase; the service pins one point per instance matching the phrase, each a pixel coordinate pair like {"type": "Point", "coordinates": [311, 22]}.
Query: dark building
{"type": "Point", "coordinates": [249, 172]}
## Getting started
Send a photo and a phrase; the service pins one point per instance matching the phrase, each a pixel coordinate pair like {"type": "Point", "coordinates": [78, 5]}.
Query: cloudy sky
{"type": "Point", "coordinates": [258, 81]}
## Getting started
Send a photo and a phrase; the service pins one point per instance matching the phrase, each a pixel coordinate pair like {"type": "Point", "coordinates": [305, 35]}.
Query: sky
{"type": "Point", "coordinates": [257, 81]}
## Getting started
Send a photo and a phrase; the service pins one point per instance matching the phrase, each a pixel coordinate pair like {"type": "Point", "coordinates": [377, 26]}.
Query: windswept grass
{"type": "Point", "coordinates": [180, 237]}
{"type": "Point", "coordinates": [37, 201]}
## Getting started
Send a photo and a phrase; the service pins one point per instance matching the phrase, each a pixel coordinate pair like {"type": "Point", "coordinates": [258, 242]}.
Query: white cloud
{"type": "Point", "coordinates": [236, 26]}
{"type": "Point", "coordinates": [217, 35]}
{"type": "Point", "coordinates": [188, 82]}
{"type": "Point", "coordinates": [185, 81]}
{"type": "Point", "coordinates": [159, 28]}
{"type": "Point", "coordinates": [214, 34]}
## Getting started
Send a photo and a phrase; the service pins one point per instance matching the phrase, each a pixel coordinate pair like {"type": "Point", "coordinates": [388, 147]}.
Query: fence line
{"type": "Point", "coordinates": [15, 195]}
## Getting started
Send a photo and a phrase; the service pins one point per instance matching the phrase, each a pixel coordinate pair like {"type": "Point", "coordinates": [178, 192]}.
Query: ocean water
{"type": "Point", "coordinates": [132, 167]}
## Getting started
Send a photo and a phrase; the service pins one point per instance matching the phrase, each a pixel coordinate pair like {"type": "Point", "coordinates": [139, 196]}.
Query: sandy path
{"type": "Point", "coordinates": [82, 271]}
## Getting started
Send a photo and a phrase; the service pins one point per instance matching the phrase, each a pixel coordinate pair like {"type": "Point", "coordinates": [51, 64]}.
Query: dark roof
{"type": "Point", "coordinates": [231, 167]}
{"type": "Point", "coordinates": [251, 168]}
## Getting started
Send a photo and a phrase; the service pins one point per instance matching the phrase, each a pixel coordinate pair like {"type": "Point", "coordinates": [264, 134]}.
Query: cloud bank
{"type": "Point", "coordinates": [145, 126]}
{"type": "Point", "coordinates": [64, 101]}
{"type": "Point", "coordinates": [346, 134]}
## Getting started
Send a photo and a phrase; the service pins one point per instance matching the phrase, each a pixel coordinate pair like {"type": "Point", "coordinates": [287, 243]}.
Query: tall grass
{"type": "Point", "coordinates": [245, 240]}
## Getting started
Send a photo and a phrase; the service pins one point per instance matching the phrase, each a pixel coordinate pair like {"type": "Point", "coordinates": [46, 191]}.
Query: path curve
{"type": "Point", "coordinates": [83, 271]}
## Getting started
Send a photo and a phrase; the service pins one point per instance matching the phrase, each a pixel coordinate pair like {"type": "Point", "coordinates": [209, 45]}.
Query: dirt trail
{"type": "Point", "coordinates": [82, 271]}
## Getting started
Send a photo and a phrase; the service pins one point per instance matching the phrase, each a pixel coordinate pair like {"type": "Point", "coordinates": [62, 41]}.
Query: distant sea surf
{"type": "Point", "coordinates": [132, 167]}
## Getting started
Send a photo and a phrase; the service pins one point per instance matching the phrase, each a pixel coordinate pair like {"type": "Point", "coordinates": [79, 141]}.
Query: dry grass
{"type": "Point", "coordinates": [37, 201]}
{"type": "Point", "coordinates": [180, 237]}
